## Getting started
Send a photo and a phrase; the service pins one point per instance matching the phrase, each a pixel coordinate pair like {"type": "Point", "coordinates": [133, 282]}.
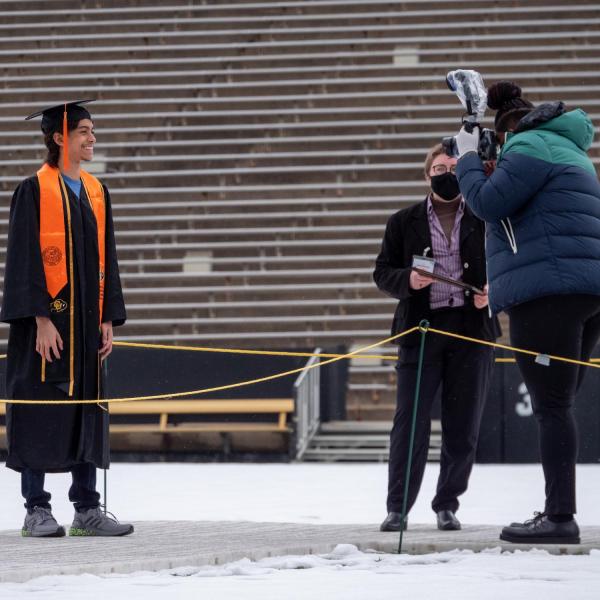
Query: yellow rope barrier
{"type": "Point", "coordinates": [595, 363]}
{"type": "Point", "coordinates": [256, 352]}
{"type": "Point", "coordinates": [299, 354]}
{"type": "Point", "coordinates": [220, 388]}
{"type": "Point", "coordinates": [513, 349]}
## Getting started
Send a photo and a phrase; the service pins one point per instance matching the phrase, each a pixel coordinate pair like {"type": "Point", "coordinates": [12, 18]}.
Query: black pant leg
{"type": "Point", "coordinates": [400, 434]}
{"type": "Point", "coordinates": [32, 489]}
{"type": "Point", "coordinates": [467, 372]}
{"type": "Point", "coordinates": [555, 325]}
{"type": "Point", "coordinates": [83, 492]}
{"type": "Point", "coordinates": [591, 337]}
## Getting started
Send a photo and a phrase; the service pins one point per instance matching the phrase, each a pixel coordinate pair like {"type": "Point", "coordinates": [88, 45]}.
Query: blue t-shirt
{"type": "Point", "coordinates": [74, 184]}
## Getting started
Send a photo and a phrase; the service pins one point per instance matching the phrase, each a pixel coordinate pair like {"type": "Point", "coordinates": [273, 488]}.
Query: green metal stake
{"type": "Point", "coordinates": [423, 326]}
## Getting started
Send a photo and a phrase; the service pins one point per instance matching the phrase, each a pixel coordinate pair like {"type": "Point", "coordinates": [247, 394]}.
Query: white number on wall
{"type": "Point", "coordinates": [523, 406]}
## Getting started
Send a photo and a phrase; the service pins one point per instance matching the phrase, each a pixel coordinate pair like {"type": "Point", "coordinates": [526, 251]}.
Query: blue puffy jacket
{"type": "Point", "coordinates": [542, 209]}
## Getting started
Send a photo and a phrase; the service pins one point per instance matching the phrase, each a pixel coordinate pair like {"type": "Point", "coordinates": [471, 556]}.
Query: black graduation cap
{"type": "Point", "coordinates": [53, 116]}
{"type": "Point", "coordinates": [56, 118]}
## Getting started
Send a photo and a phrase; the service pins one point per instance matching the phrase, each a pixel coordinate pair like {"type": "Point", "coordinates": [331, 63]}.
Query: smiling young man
{"type": "Point", "coordinates": [62, 297]}
{"type": "Point", "coordinates": [442, 227]}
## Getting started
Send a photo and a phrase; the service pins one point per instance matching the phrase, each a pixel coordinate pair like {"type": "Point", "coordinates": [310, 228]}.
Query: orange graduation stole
{"type": "Point", "coordinates": [55, 235]}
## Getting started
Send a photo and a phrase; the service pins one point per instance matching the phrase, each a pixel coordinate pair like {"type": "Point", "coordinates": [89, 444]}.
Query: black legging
{"type": "Point", "coordinates": [566, 326]}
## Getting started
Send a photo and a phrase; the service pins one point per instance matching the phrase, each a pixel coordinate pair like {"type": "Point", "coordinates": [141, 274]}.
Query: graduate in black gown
{"type": "Point", "coordinates": [62, 298]}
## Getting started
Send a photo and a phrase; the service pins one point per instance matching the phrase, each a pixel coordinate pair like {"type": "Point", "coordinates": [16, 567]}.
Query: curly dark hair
{"type": "Point", "coordinates": [53, 148]}
{"type": "Point", "coordinates": [506, 98]}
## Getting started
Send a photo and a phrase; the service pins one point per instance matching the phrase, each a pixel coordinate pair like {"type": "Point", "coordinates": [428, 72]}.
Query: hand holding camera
{"type": "Point", "coordinates": [467, 139]}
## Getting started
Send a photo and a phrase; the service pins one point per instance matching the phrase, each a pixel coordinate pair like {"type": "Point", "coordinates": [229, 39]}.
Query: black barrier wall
{"type": "Point", "coordinates": [141, 372]}
{"type": "Point", "coordinates": [146, 371]}
{"type": "Point", "coordinates": [509, 429]}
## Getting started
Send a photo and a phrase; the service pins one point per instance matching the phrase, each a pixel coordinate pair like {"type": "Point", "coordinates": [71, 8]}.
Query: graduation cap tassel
{"type": "Point", "coordinates": [65, 132]}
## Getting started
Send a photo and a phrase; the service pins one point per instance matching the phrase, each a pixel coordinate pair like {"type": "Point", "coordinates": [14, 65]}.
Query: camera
{"type": "Point", "coordinates": [468, 86]}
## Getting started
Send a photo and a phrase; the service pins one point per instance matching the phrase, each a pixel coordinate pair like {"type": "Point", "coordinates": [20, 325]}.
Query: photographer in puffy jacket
{"type": "Point", "coordinates": [542, 209]}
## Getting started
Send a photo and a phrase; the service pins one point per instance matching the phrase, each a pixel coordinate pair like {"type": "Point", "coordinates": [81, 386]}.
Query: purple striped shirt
{"type": "Point", "coordinates": [447, 259]}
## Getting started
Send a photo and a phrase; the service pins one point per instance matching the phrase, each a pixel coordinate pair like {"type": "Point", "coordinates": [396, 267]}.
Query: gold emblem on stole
{"type": "Point", "coordinates": [58, 306]}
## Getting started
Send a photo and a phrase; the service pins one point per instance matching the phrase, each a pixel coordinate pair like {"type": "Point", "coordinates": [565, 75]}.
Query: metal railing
{"type": "Point", "coordinates": [307, 400]}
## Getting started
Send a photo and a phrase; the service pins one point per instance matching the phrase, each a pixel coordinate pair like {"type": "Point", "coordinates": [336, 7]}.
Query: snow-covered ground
{"type": "Point", "coordinates": [345, 574]}
{"type": "Point", "coordinates": [299, 493]}
{"type": "Point", "coordinates": [321, 494]}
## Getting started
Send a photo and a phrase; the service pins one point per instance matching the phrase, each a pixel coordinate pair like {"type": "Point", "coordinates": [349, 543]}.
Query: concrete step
{"type": "Point", "coordinates": [350, 427]}
{"type": "Point", "coordinates": [360, 441]}
{"type": "Point", "coordinates": [371, 413]}
{"type": "Point", "coordinates": [350, 441]}
{"type": "Point", "coordinates": [357, 455]}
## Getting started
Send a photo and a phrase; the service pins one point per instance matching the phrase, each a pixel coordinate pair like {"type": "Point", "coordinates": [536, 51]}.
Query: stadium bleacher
{"type": "Point", "coordinates": [254, 150]}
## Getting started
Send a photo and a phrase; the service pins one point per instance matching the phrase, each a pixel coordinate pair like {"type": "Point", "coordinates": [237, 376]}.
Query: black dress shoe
{"type": "Point", "coordinates": [540, 530]}
{"type": "Point", "coordinates": [447, 521]}
{"type": "Point", "coordinates": [393, 522]}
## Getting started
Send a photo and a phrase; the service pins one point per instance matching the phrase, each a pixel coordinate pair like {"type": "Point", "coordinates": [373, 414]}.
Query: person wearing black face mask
{"type": "Point", "coordinates": [445, 185]}
{"type": "Point", "coordinates": [442, 227]}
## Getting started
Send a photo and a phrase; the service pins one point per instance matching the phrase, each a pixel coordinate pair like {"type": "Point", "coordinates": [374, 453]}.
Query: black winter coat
{"type": "Point", "coordinates": [407, 233]}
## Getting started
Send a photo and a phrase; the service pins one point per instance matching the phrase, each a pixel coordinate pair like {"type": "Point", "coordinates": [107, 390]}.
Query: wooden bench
{"type": "Point", "coordinates": [281, 407]}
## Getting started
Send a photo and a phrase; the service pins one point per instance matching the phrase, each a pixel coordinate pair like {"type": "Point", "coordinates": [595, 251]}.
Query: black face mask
{"type": "Point", "coordinates": [445, 186]}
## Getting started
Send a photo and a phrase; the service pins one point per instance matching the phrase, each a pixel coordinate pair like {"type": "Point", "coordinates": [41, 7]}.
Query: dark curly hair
{"type": "Point", "coordinates": [505, 98]}
{"type": "Point", "coordinates": [53, 148]}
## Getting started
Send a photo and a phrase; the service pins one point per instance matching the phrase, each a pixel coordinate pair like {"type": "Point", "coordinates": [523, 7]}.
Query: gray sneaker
{"type": "Point", "coordinates": [40, 523]}
{"type": "Point", "coordinates": [94, 522]}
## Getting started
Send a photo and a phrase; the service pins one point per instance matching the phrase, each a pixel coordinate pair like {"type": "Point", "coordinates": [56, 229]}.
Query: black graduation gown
{"type": "Point", "coordinates": [46, 437]}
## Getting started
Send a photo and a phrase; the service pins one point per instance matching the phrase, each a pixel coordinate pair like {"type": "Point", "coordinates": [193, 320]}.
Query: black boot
{"type": "Point", "coordinates": [540, 530]}
{"type": "Point", "coordinates": [447, 521]}
{"type": "Point", "coordinates": [393, 521]}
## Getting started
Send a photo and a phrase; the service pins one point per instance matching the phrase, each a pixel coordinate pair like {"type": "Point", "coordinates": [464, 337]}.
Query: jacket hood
{"type": "Point", "coordinates": [574, 125]}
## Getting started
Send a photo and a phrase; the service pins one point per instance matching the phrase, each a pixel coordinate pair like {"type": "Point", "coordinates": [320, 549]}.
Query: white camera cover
{"type": "Point", "coordinates": [470, 89]}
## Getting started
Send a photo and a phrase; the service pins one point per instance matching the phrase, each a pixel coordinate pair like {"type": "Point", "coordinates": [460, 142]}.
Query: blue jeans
{"type": "Point", "coordinates": [82, 493]}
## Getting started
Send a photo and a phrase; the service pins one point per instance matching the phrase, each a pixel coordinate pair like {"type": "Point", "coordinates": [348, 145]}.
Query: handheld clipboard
{"type": "Point", "coordinates": [449, 280]}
